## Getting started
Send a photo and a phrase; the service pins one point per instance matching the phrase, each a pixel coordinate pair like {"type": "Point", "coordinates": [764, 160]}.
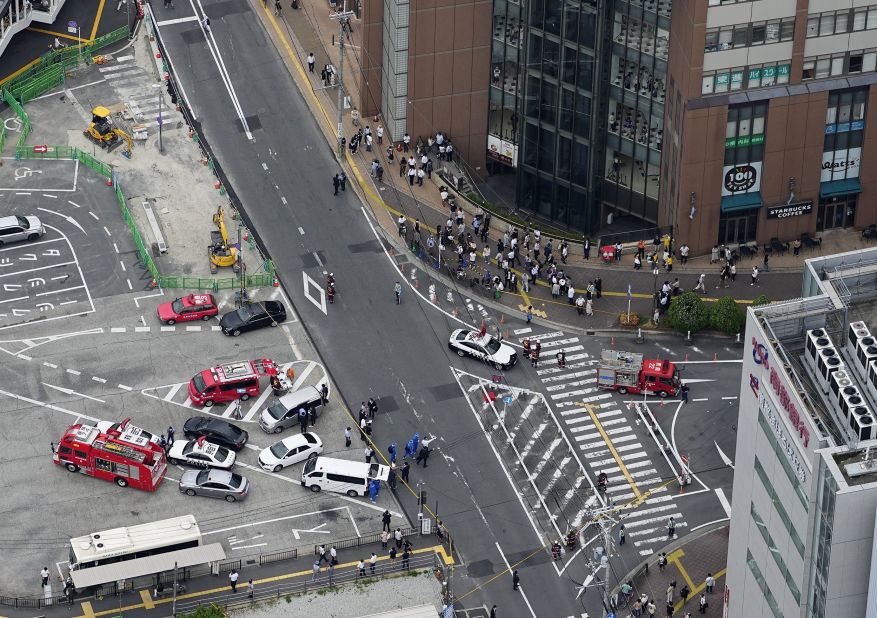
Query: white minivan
{"type": "Point", "coordinates": [341, 475]}
{"type": "Point", "coordinates": [283, 413]}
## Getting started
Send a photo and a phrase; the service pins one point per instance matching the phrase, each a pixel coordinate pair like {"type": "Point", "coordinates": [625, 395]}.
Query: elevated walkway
{"type": "Point", "coordinates": [18, 15]}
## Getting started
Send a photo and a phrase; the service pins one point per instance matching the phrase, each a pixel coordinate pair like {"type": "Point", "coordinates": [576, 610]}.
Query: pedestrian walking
{"type": "Point", "coordinates": [206, 23]}
{"type": "Point", "coordinates": [69, 588]}
{"type": "Point", "coordinates": [684, 593]}
{"type": "Point", "coordinates": [516, 581]}
{"type": "Point", "coordinates": [331, 572]}
{"type": "Point", "coordinates": [701, 284]}
{"type": "Point", "coordinates": [709, 583]}
{"type": "Point", "coordinates": [361, 566]}
{"type": "Point", "coordinates": [372, 562]}
{"type": "Point", "coordinates": [406, 469]}
{"type": "Point", "coordinates": [44, 576]}
{"type": "Point", "coordinates": [316, 569]}
{"type": "Point", "coordinates": [671, 527]}
{"type": "Point", "coordinates": [303, 419]}
{"type": "Point", "coordinates": [405, 557]}
{"type": "Point", "coordinates": [251, 589]}
{"type": "Point", "coordinates": [703, 604]}
{"type": "Point", "coordinates": [342, 178]}
{"type": "Point", "coordinates": [233, 580]}
{"type": "Point", "coordinates": [397, 536]}
{"type": "Point", "coordinates": [391, 477]}
{"type": "Point", "coordinates": [529, 314]}
{"type": "Point", "coordinates": [333, 555]}
{"type": "Point", "coordinates": [662, 561]}
{"type": "Point", "coordinates": [669, 610]}
{"type": "Point", "coordinates": [369, 452]}
{"type": "Point", "coordinates": [348, 435]}
{"type": "Point", "coordinates": [385, 539]}
{"type": "Point", "coordinates": [278, 8]}
{"type": "Point", "coordinates": [622, 535]}
{"type": "Point", "coordinates": [493, 612]}
{"type": "Point", "coordinates": [385, 519]}
{"type": "Point", "coordinates": [671, 591]}
{"type": "Point", "coordinates": [766, 263]}
{"type": "Point", "coordinates": [754, 276]}
{"type": "Point", "coordinates": [311, 62]}
{"type": "Point", "coordinates": [170, 436]}
{"type": "Point", "coordinates": [322, 554]}
{"type": "Point", "coordinates": [589, 308]}
{"type": "Point", "coordinates": [336, 183]}
{"type": "Point", "coordinates": [684, 393]}
{"type": "Point", "coordinates": [423, 456]}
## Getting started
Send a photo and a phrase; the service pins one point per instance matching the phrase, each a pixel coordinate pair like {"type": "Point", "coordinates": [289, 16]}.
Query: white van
{"type": "Point", "coordinates": [341, 475]}
{"type": "Point", "coordinates": [283, 413]}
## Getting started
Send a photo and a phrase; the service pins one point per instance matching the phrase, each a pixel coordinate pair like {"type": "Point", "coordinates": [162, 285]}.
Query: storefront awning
{"type": "Point", "coordinates": [840, 187]}
{"type": "Point", "coordinates": [743, 201]}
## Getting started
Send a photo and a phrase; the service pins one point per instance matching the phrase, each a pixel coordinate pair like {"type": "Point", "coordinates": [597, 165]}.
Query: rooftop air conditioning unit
{"type": "Point", "coordinates": [850, 398]}
{"type": "Point", "coordinates": [858, 330]}
{"type": "Point", "coordinates": [816, 340]}
{"type": "Point", "coordinates": [828, 362]}
{"type": "Point", "coordinates": [863, 423]}
{"type": "Point", "coordinates": [866, 352]}
{"type": "Point", "coordinates": [840, 379]}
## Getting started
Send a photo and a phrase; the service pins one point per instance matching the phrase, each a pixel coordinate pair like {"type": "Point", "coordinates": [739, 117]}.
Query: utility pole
{"type": "Point", "coordinates": [604, 518]}
{"type": "Point", "coordinates": [342, 16]}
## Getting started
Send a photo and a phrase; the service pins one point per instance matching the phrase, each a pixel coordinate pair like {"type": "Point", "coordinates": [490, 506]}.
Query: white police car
{"type": "Point", "coordinates": [201, 454]}
{"type": "Point", "coordinates": [482, 346]}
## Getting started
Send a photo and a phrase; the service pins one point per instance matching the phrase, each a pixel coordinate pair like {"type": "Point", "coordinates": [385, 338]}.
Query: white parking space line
{"type": "Point", "coordinates": [74, 372]}
{"type": "Point", "coordinates": [118, 329]}
{"type": "Point", "coordinates": [68, 391]}
{"type": "Point", "coordinates": [100, 380]}
{"type": "Point", "coordinates": [50, 365]}
{"type": "Point", "coordinates": [78, 287]}
{"type": "Point", "coordinates": [96, 218]}
{"type": "Point", "coordinates": [173, 391]}
{"type": "Point", "coordinates": [12, 300]}
{"type": "Point", "coordinates": [124, 388]}
{"type": "Point", "coordinates": [32, 270]}
{"type": "Point", "coordinates": [107, 231]}
{"type": "Point", "coordinates": [74, 204]}
{"type": "Point", "coordinates": [54, 197]}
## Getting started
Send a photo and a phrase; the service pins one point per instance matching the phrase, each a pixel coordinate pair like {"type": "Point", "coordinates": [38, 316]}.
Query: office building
{"type": "Point", "coordinates": [802, 538]}
{"type": "Point", "coordinates": [770, 120]}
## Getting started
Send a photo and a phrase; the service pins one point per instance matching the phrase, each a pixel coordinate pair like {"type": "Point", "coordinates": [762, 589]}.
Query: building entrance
{"type": "Point", "coordinates": [836, 212]}
{"type": "Point", "coordinates": [738, 227]}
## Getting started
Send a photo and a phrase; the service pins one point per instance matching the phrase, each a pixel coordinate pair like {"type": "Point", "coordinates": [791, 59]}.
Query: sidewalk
{"type": "Point", "coordinates": [689, 562]}
{"type": "Point", "coordinates": [287, 579]}
{"type": "Point", "coordinates": [311, 30]}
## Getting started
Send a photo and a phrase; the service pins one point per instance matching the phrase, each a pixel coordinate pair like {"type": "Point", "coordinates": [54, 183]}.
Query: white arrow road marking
{"type": "Point", "coordinates": [724, 501]}
{"type": "Point", "coordinates": [724, 457]}
{"type": "Point", "coordinates": [68, 391]}
{"type": "Point", "coordinates": [63, 216]}
{"type": "Point", "coordinates": [308, 282]}
{"type": "Point", "coordinates": [316, 530]}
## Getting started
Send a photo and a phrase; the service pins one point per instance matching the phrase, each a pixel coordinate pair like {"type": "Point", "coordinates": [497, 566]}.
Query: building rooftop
{"type": "Point", "coordinates": [824, 342]}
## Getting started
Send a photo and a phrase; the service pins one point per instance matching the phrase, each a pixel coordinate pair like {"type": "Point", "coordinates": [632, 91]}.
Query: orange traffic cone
{"type": "Point", "coordinates": [276, 282]}
{"type": "Point", "coordinates": [109, 182]}
{"type": "Point", "coordinates": [154, 283]}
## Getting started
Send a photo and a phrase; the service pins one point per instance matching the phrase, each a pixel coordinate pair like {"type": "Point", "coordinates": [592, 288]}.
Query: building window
{"type": "Point", "coordinates": [749, 35]}
{"type": "Point", "coordinates": [774, 551]}
{"type": "Point", "coordinates": [841, 22]}
{"type": "Point", "coordinates": [822, 533]}
{"type": "Point", "coordinates": [765, 589]}
{"type": "Point", "coordinates": [779, 508]}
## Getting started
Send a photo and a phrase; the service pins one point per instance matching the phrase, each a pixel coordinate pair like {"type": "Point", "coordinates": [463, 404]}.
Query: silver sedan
{"type": "Point", "coordinates": [215, 484]}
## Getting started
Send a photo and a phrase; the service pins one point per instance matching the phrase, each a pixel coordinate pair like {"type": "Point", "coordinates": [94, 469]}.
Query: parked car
{"type": "Point", "coordinates": [252, 316]}
{"type": "Point", "coordinates": [223, 484]}
{"type": "Point", "coordinates": [188, 308]}
{"type": "Point", "coordinates": [216, 430]}
{"type": "Point", "coordinates": [15, 228]}
{"type": "Point", "coordinates": [290, 451]}
{"type": "Point", "coordinates": [201, 454]}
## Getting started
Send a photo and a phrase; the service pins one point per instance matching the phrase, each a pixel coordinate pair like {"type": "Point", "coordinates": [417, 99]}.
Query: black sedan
{"type": "Point", "coordinates": [216, 431]}
{"type": "Point", "coordinates": [252, 316]}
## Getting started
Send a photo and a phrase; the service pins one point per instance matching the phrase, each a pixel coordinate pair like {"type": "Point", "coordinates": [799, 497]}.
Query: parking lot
{"type": "Point", "coordinates": [115, 372]}
{"type": "Point", "coordinates": [86, 252]}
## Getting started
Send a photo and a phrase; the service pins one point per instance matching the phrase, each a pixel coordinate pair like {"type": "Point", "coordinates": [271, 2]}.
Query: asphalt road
{"type": "Point", "coordinates": [397, 354]}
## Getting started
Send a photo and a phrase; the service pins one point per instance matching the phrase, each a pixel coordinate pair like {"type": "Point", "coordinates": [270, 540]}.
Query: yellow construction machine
{"type": "Point", "coordinates": [105, 134]}
{"type": "Point", "coordinates": [220, 252]}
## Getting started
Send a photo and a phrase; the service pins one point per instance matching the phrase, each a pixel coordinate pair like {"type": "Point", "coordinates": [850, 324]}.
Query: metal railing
{"type": "Point", "coordinates": [278, 556]}
{"type": "Point", "coordinates": [341, 577]}
{"type": "Point", "coordinates": [368, 539]}
{"type": "Point", "coordinates": [22, 116]}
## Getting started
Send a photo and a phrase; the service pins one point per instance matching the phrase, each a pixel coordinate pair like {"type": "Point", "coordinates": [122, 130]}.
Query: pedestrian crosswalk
{"type": "Point", "coordinates": [307, 373]}
{"type": "Point", "coordinates": [602, 429]}
{"type": "Point", "coordinates": [135, 88]}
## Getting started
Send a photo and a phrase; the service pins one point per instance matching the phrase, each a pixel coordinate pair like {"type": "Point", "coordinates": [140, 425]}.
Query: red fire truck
{"type": "Point", "coordinates": [229, 382]}
{"type": "Point", "coordinates": [122, 454]}
{"type": "Point", "coordinates": [627, 372]}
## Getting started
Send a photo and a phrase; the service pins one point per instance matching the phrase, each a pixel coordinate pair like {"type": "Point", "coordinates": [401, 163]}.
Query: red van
{"type": "Point", "coordinates": [229, 382]}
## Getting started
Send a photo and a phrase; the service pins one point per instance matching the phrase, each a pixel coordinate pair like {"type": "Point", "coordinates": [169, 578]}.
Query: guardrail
{"type": "Point", "coordinates": [368, 539]}
{"type": "Point", "coordinates": [22, 116]}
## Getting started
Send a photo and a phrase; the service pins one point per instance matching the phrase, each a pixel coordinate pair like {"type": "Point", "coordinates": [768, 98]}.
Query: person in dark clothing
{"type": "Point", "coordinates": [385, 518]}
{"type": "Point", "coordinates": [516, 581]}
{"type": "Point", "coordinates": [336, 183]}
{"type": "Point", "coordinates": [406, 469]}
{"type": "Point", "coordinates": [423, 456]}
{"type": "Point", "coordinates": [391, 478]}
{"type": "Point", "coordinates": [598, 287]}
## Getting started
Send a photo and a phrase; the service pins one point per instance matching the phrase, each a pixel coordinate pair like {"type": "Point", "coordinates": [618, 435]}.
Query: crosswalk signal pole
{"type": "Point", "coordinates": [342, 16]}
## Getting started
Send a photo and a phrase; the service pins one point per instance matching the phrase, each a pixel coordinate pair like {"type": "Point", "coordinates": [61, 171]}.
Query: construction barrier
{"type": "Point", "coordinates": [2, 136]}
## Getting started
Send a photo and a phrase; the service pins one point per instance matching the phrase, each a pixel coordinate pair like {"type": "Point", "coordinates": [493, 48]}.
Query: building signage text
{"type": "Point", "coordinates": [761, 356]}
{"type": "Point", "coordinates": [840, 164]}
{"type": "Point", "coordinates": [790, 210]}
{"type": "Point", "coordinates": [786, 444]}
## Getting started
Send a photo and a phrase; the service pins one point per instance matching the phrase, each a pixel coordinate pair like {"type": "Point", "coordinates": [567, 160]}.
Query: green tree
{"type": "Point", "coordinates": [688, 312]}
{"type": "Point", "coordinates": [727, 316]}
{"type": "Point", "coordinates": [759, 300]}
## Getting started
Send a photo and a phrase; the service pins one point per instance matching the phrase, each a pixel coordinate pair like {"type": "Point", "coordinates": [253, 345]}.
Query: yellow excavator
{"type": "Point", "coordinates": [220, 252]}
{"type": "Point", "coordinates": [105, 134]}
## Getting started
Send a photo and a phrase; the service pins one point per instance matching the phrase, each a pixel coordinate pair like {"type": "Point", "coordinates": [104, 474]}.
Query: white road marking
{"type": "Point", "coordinates": [74, 372]}
{"type": "Point", "coordinates": [124, 388]}
{"type": "Point", "coordinates": [24, 357]}
{"type": "Point", "coordinates": [78, 287]}
{"type": "Point", "coordinates": [723, 500]}
{"type": "Point", "coordinates": [173, 391]}
{"type": "Point", "coordinates": [50, 365]}
{"type": "Point", "coordinates": [74, 204]}
{"type": "Point", "coordinates": [130, 287]}
{"type": "Point", "coordinates": [116, 247]}
{"type": "Point", "coordinates": [100, 380]}
{"type": "Point", "coordinates": [54, 197]}
{"type": "Point", "coordinates": [308, 282]}
{"type": "Point", "coordinates": [122, 264]}
{"type": "Point", "coordinates": [118, 329]}
{"type": "Point", "coordinates": [301, 231]}
{"type": "Point", "coordinates": [107, 231]}
{"type": "Point", "coordinates": [520, 588]}
{"type": "Point", "coordinates": [68, 391]}
{"type": "Point", "coordinates": [49, 406]}
{"type": "Point", "coordinates": [142, 329]}
{"type": "Point", "coordinates": [63, 216]}
{"type": "Point", "coordinates": [96, 218]}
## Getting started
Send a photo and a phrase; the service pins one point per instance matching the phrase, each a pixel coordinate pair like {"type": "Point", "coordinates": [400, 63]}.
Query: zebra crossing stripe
{"type": "Point", "coordinates": [628, 447]}
{"type": "Point", "coordinates": [571, 394]}
{"type": "Point", "coordinates": [576, 421]}
{"type": "Point", "coordinates": [545, 336]}
{"type": "Point", "coordinates": [522, 331]}
{"type": "Point", "coordinates": [651, 530]}
{"type": "Point", "coordinates": [634, 516]}
{"type": "Point", "coordinates": [554, 343]}
{"type": "Point", "coordinates": [118, 67]}
{"type": "Point", "coordinates": [574, 374]}
{"type": "Point", "coordinates": [583, 382]}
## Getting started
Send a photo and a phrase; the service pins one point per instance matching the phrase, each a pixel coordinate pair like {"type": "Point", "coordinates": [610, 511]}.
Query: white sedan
{"type": "Point", "coordinates": [290, 450]}
{"type": "Point", "coordinates": [483, 347]}
{"type": "Point", "coordinates": [201, 454]}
